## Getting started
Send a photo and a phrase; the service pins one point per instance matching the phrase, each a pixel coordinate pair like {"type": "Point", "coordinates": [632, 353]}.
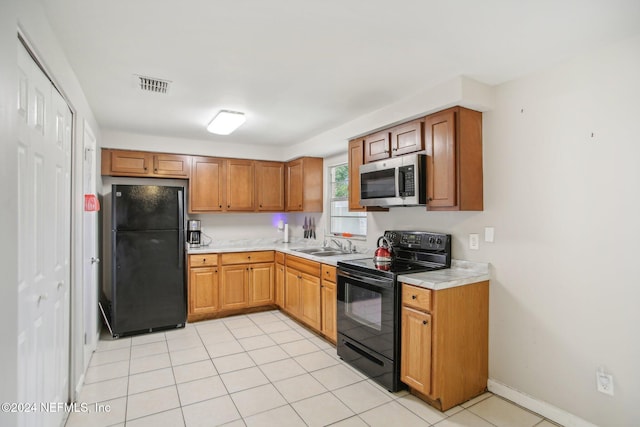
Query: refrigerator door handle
{"type": "Point", "coordinates": [180, 229]}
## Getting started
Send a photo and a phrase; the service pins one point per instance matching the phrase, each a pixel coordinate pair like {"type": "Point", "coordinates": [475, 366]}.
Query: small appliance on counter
{"type": "Point", "coordinates": [194, 233]}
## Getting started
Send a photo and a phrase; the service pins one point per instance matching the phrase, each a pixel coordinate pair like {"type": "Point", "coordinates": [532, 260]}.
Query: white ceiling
{"type": "Point", "coordinates": [297, 67]}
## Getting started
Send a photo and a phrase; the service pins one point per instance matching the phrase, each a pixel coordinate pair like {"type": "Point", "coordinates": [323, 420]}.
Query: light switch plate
{"type": "Point", "coordinates": [489, 234]}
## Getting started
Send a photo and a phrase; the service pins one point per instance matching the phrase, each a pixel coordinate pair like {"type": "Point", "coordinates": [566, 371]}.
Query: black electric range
{"type": "Point", "coordinates": [369, 302]}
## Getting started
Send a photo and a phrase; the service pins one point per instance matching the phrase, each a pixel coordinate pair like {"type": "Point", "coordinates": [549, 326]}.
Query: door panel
{"type": "Point", "coordinates": [44, 198]}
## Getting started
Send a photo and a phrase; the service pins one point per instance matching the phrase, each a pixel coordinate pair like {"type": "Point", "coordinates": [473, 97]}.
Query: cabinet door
{"type": "Point", "coordinates": [376, 147]}
{"type": "Point", "coordinates": [356, 159]}
{"type": "Point", "coordinates": [130, 163]}
{"type": "Point", "coordinates": [415, 367]}
{"type": "Point", "coordinates": [261, 287]}
{"type": "Point", "coordinates": [234, 287]}
{"type": "Point", "coordinates": [329, 301]}
{"type": "Point", "coordinates": [270, 186]}
{"type": "Point", "coordinates": [279, 285]}
{"type": "Point", "coordinates": [294, 185]}
{"type": "Point", "coordinates": [292, 291]}
{"type": "Point", "coordinates": [171, 165]}
{"type": "Point", "coordinates": [240, 185]}
{"type": "Point", "coordinates": [206, 187]}
{"type": "Point", "coordinates": [407, 138]}
{"type": "Point", "coordinates": [310, 300]}
{"type": "Point", "coordinates": [203, 290]}
{"type": "Point", "coordinates": [441, 151]}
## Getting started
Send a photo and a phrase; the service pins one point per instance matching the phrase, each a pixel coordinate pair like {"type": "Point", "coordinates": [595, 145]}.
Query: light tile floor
{"type": "Point", "coordinates": [260, 369]}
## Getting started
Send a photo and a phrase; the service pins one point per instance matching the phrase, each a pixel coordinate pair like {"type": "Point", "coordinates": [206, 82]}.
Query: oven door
{"type": "Point", "coordinates": [367, 311]}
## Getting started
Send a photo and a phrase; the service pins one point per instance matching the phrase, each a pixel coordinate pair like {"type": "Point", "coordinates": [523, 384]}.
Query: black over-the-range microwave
{"type": "Point", "coordinates": [398, 181]}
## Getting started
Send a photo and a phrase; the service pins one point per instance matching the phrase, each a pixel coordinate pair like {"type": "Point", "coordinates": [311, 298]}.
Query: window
{"type": "Point", "coordinates": [341, 220]}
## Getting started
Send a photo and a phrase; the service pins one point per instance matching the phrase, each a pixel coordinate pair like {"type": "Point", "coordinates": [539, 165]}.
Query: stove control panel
{"type": "Point", "coordinates": [419, 240]}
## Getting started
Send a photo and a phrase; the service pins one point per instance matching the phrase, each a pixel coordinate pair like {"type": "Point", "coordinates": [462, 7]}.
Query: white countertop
{"type": "Point", "coordinates": [461, 272]}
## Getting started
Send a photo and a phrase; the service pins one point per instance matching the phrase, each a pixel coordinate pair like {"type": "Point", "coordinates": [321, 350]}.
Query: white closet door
{"type": "Point", "coordinates": [44, 192]}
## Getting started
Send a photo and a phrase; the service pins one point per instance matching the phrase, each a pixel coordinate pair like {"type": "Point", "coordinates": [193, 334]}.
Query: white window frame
{"type": "Point", "coordinates": [330, 216]}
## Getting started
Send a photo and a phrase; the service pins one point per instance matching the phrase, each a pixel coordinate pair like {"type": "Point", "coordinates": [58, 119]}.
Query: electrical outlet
{"type": "Point", "coordinates": [604, 382]}
{"type": "Point", "coordinates": [474, 241]}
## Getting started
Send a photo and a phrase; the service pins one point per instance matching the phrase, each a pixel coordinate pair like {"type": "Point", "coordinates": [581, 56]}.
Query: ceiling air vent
{"type": "Point", "coordinates": [151, 84]}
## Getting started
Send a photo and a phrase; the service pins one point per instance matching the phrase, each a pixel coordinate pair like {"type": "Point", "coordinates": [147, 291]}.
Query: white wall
{"type": "Point", "coordinates": [564, 276]}
{"type": "Point", "coordinates": [8, 208]}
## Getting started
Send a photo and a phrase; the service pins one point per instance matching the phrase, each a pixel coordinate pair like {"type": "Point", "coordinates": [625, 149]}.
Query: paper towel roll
{"type": "Point", "coordinates": [286, 233]}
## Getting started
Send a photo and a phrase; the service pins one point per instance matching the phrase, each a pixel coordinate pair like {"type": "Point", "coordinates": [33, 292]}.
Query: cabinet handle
{"type": "Point", "coordinates": [204, 260]}
{"type": "Point", "coordinates": [215, 271]}
{"type": "Point", "coordinates": [220, 206]}
{"type": "Point", "coordinates": [228, 206]}
{"type": "Point", "coordinates": [155, 169]}
{"type": "Point", "coordinates": [260, 205]}
{"type": "Point", "coordinates": [424, 322]}
{"type": "Point", "coordinates": [249, 257]}
{"type": "Point", "coordinates": [414, 296]}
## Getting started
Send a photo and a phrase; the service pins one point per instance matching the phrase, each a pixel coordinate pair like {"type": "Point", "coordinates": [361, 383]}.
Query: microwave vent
{"type": "Point", "coordinates": [152, 84]}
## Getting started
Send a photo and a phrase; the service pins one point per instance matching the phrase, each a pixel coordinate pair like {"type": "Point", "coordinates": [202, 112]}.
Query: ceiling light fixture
{"type": "Point", "coordinates": [226, 122]}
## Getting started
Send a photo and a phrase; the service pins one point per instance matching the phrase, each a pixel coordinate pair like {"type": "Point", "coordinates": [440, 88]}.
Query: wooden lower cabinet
{"type": "Point", "coordinates": [247, 279]}
{"type": "Point", "coordinates": [328, 296]}
{"type": "Point", "coordinates": [444, 354]}
{"type": "Point", "coordinates": [279, 288]}
{"type": "Point", "coordinates": [302, 290]}
{"type": "Point", "coordinates": [261, 284]}
{"type": "Point", "coordinates": [235, 281]}
{"type": "Point", "coordinates": [234, 287]}
{"type": "Point", "coordinates": [202, 286]}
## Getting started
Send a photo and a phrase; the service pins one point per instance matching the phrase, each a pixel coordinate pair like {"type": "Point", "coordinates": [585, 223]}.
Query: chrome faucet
{"type": "Point", "coordinates": [337, 243]}
{"type": "Point", "coordinates": [352, 247]}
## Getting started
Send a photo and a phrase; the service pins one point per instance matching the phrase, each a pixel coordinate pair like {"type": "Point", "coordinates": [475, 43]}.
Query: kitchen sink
{"type": "Point", "coordinates": [327, 253]}
{"type": "Point", "coordinates": [321, 251]}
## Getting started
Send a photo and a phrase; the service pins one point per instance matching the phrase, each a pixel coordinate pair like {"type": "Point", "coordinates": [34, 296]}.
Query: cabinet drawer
{"type": "Point", "coordinates": [304, 265]}
{"type": "Point", "coordinates": [247, 257]}
{"type": "Point", "coordinates": [329, 273]}
{"type": "Point", "coordinates": [279, 257]}
{"type": "Point", "coordinates": [203, 260]}
{"type": "Point", "coordinates": [416, 297]}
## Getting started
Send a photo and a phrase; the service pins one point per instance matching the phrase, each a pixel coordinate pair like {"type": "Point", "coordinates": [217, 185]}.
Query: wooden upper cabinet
{"type": "Point", "coordinates": [377, 146]}
{"type": "Point", "coordinates": [304, 185]}
{"type": "Point", "coordinates": [454, 165]}
{"type": "Point", "coordinates": [142, 163]}
{"type": "Point", "coordinates": [356, 159]}
{"type": "Point", "coordinates": [269, 186]}
{"type": "Point", "coordinates": [207, 185]}
{"type": "Point", "coordinates": [240, 185]}
{"type": "Point", "coordinates": [124, 162]}
{"type": "Point", "coordinates": [171, 165]}
{"type": "Point", "coordinates": [407, 138]}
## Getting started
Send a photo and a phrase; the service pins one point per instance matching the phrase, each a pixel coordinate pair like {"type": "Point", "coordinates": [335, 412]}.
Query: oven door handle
{"type": "Point", "coordinates": [386, 283]}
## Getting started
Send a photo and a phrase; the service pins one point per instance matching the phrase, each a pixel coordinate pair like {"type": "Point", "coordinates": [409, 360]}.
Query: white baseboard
{"type": "Point", "coordinates": [545, 409]}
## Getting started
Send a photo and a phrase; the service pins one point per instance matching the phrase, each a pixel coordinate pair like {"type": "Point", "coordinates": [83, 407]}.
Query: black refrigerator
{"type": "Point", "coordinates": [147, 277]}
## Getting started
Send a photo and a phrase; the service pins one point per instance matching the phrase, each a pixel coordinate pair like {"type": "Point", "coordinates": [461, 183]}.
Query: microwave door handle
{"type": "Point", "coordinates": [401, 182]}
